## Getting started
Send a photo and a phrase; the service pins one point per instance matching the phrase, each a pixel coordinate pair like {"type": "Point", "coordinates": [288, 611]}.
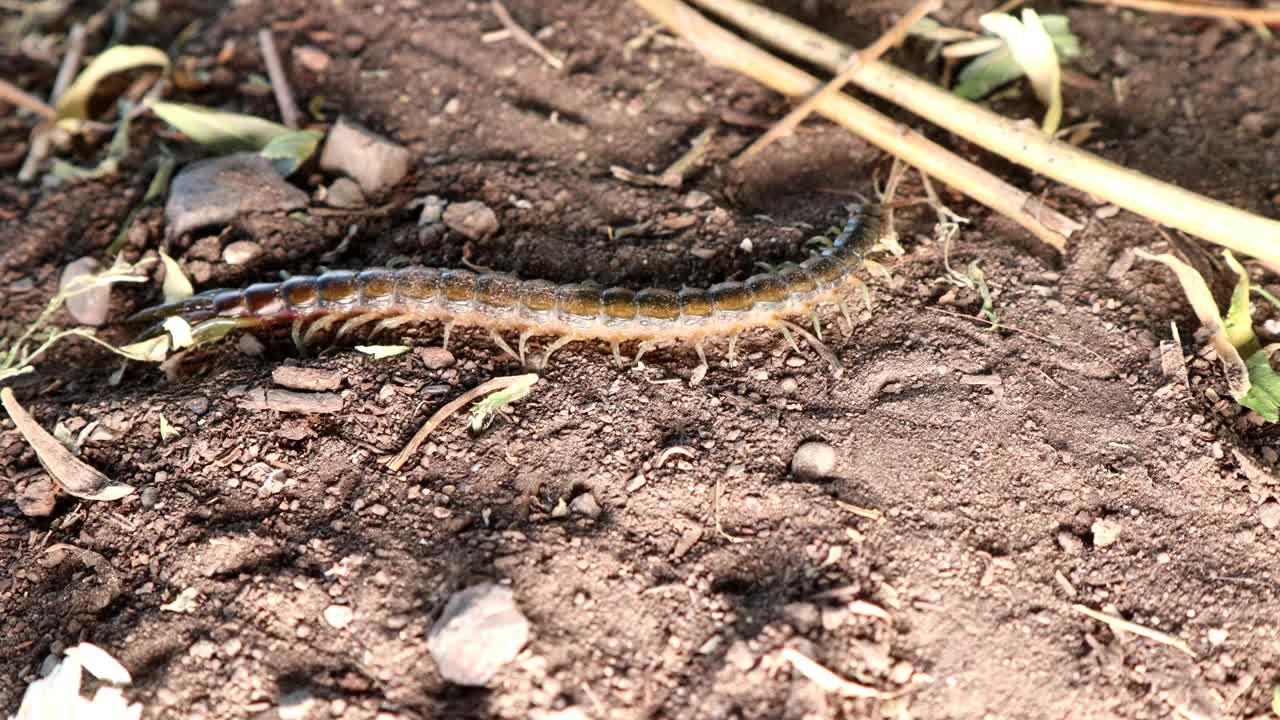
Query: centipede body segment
{"type": "Point", "coordinates": [501, 302]}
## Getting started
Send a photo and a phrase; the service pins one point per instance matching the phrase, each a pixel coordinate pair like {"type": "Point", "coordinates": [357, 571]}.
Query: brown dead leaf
{"type": "Point", "coordinates": [72, 475]}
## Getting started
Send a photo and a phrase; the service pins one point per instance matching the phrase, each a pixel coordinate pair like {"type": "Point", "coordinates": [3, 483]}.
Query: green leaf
{"type": "Point", "coordinates": [1033, 50]}
{"type": "Point", "coordinates": [987, 72]}
{"type": "Point", "coordinates": [74, 103]}
{"type": "Point", "coordinates": [180, 330]}
{"type": "Point", "coordinates": [291, 151]}
{"type": "Point", "coordinates": [176, 285]}
{"type": "Point", "coordinates": [222, 132]}
{"type": "Point", "coordinates": [381, 352]}
{"type": "Point", "coordinates": [1238, 322]}
{"type": "Point", "coordinates": [484, 410]}
{"type": "Point", "coordinates": [1264, 387]}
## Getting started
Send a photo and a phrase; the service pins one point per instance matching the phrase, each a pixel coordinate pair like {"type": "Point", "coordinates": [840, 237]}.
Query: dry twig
{"type": "Point", "coordinates": [15, 95]}
{"type": "Point", "coordinates": [1251, 15]}
{"type": "Point", "coordinates": [479, 391]}
{"type": "Point", "coordinates": [722, 47]}
{"type": "Point", "coordinates": [70, 62]}
{"type": "Point", "coordinates": [1016, 141]}
{"type": "Point", "coordinates": [524, 37]}
{"type": "Point", "coordinates": [828, 680]}
{"type": "Point", "coordinates": [1122, 625]}
{"type": "Point", "coordinates": [279, 81]}
{"type": "Point", "coordinates": [852, 66]}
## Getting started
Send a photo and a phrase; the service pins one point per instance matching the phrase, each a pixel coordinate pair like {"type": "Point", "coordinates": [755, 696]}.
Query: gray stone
{"type": "Point", "coordinates": [480, 630]}
{"type": "Point", "coordinates": [1269, 514]}
{"type": "Point", "coordinates": [241, 252]}
{"type": "Point", "coordinates": [472, 219]}
{"type": "Point", "coordinates": [89, 307]}
{"type": "Point", "coordinates": [585, 504]}
{"type": "Point", "coordinates": [1105, 532]}
{"type": "Point", "coordinates": [37, 498]}
{"type": "Point", "coordinates": [374, 162]}
{"type": "Point", "coordinates": [813, 461]}
{"type": "Point", "coordinates": [219, 190]}
{"type": "Point", "coordinates": [344, 193]}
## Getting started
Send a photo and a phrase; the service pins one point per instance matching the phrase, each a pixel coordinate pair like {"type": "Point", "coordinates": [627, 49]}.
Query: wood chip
{"type": "Point", "coordinates": [303, 378]}
{"type": "Point", "coordinates": [292, 402]}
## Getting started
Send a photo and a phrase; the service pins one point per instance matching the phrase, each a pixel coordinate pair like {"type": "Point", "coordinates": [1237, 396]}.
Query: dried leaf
{"type": "Point", "coordinates": [167, 431]}
{"type": "Point", "coordinates": [72, 475]}
{"type": "Point", "coordinates": [154, 349]}
{"type": "Point", "coordinates": [1033, 50]}
{"type": "Point", "coordinates": [223, 132]}
{"type": "Point", "coordinates": [380, 352]}
{"type": "Point", "coordinates": [483, 411]}
{"type": "Point", "coordinates": [180, 330]}
{"type": "Point", "coordinates": [74, 103]}
{"type": "Point", "coordinates": [176, 285]}
{"type": "Point", "coordinates": [100, 664]}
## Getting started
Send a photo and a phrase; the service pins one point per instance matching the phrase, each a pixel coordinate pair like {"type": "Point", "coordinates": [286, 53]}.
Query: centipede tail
{"type": "Point", "coordinates": [387, 299]}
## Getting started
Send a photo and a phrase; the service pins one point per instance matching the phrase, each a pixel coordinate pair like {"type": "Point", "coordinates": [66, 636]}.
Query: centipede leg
{"type": "Point", "coordinates": [817, 326]}
{"type": "Point", "coordinates": [524, 341]}
{"type": "Point", "coordinates": [733, 350]}
{"type": "Point", "coordinates": [559, 343]}
{"type": "Point", "coordinates": [391, 323]}
{"type": "Point", "coordinates": [700, 371]}
{"type": "Point", "coordinates": [448, 326]}
{"type": "Point", "coordinates": [848, 318]}
{"type": "Point", "coordinates": [353, 324]}
{"type": "Point", "coordinates": [497, 340]}
{"type": "Point", "coordinates": [318, 327]}
{"type": "Point", "coordinates": [295, 332]}
{"type": "Point", "coordinates": [786, 333]}
{"type": "Point", "coordinates": [617, 354]}
{"type": "Point", "coordinates": [643, 348]}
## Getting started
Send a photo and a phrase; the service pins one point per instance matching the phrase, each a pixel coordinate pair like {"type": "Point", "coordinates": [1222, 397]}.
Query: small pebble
{"type": "Point", "coordinates": [636, 483]}
{"type": "Point", "coordinates": [696, 199]}
{"type": "Point", "coordinates": [795, 361]}
{"type": "Point", "coordinates": [196, 405]}
{"type": "Point", "coordinates": [788, 385]}
{"type": "Point", "coordinates": [89, 307]}
{"type": "Point", "coordinates": [296, 705]}
{"type": "Point", "coordinates": [1070, 543]}
{"type": "Point", "coordinates": [250, 345]}
{"type": "Point", "coordinates": [241, 252]}
{"type": "Point", "coordinates": [585, 504]}
{"type": "Point", "coordinates": [471, 219]}
{"type": "Point", "coordinates": [432, 210]}
{"type": "Point", "coordinates": [344, 193]}
{"type": "Point", "coordinates": [311, 58]}
{"type": "Point", "coordinates": [435, 358]}
{"type": "Point", "coordinates": [1106, 211]}
{"type": "Point", "coordinates": [901, 673]}
{"type": "Point", "coordinates": [480, 630]}
{"type": "Point", "coordinates": [305, 378]}
{"type": "Point", "coordinates": [37, 498]}
{"type": "Point", "coordinates": [1269, 514]}
{"type": "Point", "coordinates": [1105, 532]}
{"type": "Point", "coordinates": [219, 190]}
{"type": "Point", "coordinates": [374, 162]}
{"type": "Point", "coordinates": [148, 496]}
{"type": "Point", "coordinates": [813, 461]}
{"type": "Point", "coordinates": [339, 616]}
{"type": "Point", "coordinates": [203, 649]}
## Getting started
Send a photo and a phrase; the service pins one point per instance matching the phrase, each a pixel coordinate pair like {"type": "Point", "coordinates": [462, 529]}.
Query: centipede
{"type": "Point", "coordinates": [342, 302]}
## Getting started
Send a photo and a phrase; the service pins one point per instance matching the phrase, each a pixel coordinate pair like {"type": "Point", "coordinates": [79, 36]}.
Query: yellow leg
{"type": "Point", "coordinates": [733, 350]}
{"type": "Point", "coordinates": [644, 347]}
{"type": "Point", "coordinates": [445, 342]}
{"type": "Point", "coordinates": [617, 354]}
{"type": "Point", "coordinates": [786, 332]}
{"type": "Point", "coordinates": [559, 343]}
{"type": "Point", "coordinates": [497, 339]}
{"type": "Point", "coordinates": [700, 371]}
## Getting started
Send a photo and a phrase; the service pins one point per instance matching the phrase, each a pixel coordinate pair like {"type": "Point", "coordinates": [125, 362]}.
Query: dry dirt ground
{"type": "Point", "coordinates": [1016, 476]}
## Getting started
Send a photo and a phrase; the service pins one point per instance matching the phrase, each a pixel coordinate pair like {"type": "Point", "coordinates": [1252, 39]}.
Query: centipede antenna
{"type": "Point", "coordinates": [733, 350]}
{"type": "Point", "coordinates": [617, 354]}
{"type": "Point", "coordinates": [559, 343]}
{"type": "Point", "coordinates": [700, 371]}
{"type": "Point", "coordinates": [295, 332]}
{"type": "Point", "coordinates": [786, 333]}
{"type": "Point", "coordinates": [497, 339]}
{"type": "Point", "coordinates": [445, 342]}
{"type": "Point", "coordinates": [643, 348]}
{"type": "Point", "coordinates": [524, 341]}
{"type": "Point", "coordinates": [817, 326]}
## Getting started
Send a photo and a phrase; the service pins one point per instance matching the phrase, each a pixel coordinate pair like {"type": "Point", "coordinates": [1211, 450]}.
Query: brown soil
{"type": "Point", "coordinates": [993, 456]}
